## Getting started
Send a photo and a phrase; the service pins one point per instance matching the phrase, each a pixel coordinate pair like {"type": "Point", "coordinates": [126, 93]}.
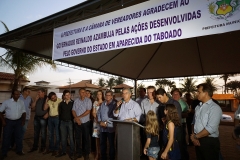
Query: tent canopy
{"type": "Point", "coordinates": [206, 55]}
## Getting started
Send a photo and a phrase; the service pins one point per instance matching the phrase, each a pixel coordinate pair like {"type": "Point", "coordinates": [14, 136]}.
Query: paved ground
{"type": "Point", "coordinates": [228, 146]}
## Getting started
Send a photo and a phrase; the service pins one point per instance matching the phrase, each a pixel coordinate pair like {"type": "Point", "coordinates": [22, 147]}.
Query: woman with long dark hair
{"type": "Point", "coordinates": [172, 150]}
{"type": "Point", "coordinates": [96, 127]}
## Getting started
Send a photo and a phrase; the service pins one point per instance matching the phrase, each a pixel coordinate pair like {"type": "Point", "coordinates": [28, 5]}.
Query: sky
{"type": "Point", "coordinates": [17, 13]}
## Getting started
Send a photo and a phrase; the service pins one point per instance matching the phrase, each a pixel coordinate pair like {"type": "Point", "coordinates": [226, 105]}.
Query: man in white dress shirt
{"type": "Point", "coordinates": [15, 116]}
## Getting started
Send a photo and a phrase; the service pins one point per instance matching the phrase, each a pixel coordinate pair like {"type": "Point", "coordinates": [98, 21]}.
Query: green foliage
{"type": "Point", "coordinates": [119, 80]}
{"type": "Point", "coordinates": [101, 82]}
{"type": "Point", "coordinates": [110, 83]}
{"type": "Point", "coordinates": [211, 83]}
{"type": "Point", "coordinates": [225, 77]}
{"type": "Point", "coordinates": [188, 86]}
{"type": "Point", "coordinates": [22, 63]}
{"type": "Point", "coordinates": [234, 86]}
{"type": "Point", "coordinates": [164, 83]}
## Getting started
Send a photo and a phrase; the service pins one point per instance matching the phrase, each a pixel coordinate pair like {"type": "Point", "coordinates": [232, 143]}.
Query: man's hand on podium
{"type": "Point", "coordinates": [130, 119]}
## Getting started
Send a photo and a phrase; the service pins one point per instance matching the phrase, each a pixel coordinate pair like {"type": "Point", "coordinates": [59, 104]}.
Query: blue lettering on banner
{"type": "Point", "coordinates": [71, 32]}
{"type": "Point", "coordinates": [103, 35]}
{"type": "Point", "coordinates": [66, 44]}
{"type": "Point", "coordinates": [175, 19]}
{"type": "Point", "coordinates": [167, 34]}
{"type": "Point", "coordinates": [129, 42]}
{"type": "Point", "coordinates": [78, 51]}
{"type": "Point", "coordinates": [66, 53]}
{"type": "Point", "coordinates": [160, 8]}
{"type": "Point", "coordinates": [122, 31]}
{"type": "Point", "coordinates": [139, 27]}
{"type": "Point", "coordinates": [96, 25]}
{"type": "Point", "coordinates": [84, 39]}
{"type": "Point", "coordinates": [184, 2]}
{"type": "Point", "coordinates": [111, 45]}
{"type": "Point", "coordinates": [100, 47]}
{"type": "Point", "coordinates": [126, 17]}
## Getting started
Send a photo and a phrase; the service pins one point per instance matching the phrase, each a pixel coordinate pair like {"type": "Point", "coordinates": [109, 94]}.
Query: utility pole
{"type": "Point", "coordinates": [70, 82]}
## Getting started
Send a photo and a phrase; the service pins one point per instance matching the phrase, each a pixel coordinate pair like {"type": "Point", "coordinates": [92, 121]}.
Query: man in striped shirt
{"type": "Point", "coordinates": [81, 110]}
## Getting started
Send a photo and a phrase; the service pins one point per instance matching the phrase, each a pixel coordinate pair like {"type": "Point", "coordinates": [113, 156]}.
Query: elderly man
{"type": "Point", "coordinates": [107, 130]}
{"type": "Point", "coordinates": [81, 110]}
{"type": "Point", "coordinates": [51, 104]}
{"type": "Point", "coordinates": [127, 109]}
{"type": "Point", "coordinates": [206, 122]}
{"type": "Point", "coordinates": [15, 118]}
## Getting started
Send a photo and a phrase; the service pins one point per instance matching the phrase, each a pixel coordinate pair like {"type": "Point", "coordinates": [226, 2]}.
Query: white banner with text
{"type": "Point", "coordinates": [150, 22]}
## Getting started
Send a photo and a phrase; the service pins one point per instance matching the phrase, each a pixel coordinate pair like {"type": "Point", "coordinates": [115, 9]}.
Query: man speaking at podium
{"type": "Point", "coordinates": [127, 109]}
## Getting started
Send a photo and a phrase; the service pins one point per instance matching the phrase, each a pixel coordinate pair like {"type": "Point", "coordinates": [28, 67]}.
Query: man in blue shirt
{"type": "Point", "coordinates": [15, 116]}
{"type": "Point", "coordinates": [206, 122]}
{"type": "Point", "coordinates": [127, 109]}
{"type": "Point", "coordinates": [81, 110]}
{"type": "Point", "coordinates": [107, 129]}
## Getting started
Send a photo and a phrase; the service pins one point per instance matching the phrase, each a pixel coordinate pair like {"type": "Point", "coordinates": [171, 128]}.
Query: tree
{"type": "Point", "coordinates": [211, 83]}
{"type": "Point", "coordinates": [188, 86]}
{"type": "Point", "coordinates": [119, 80]}
{"type": "Point", "coordinates": [163, 83]}
{"type": "Point", "coordinates": [234, 86]}
{"type": "Point", "coordinates": [171, 85]}
{"type": "Point", "coordinates": [225, 77]}
{"type": "Point", "coordinates": [101, 82]}
{"type": "Point", "coordinates": [22, 63]}
{"type": "Point", "coordinates": [110, 83]}
{"type": "Point", "coordinates": [140, 86]}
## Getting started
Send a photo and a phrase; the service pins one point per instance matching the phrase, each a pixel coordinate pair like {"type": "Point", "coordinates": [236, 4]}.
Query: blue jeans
{"type": "Point", "coordinates": [103, 145]}
{"type": "Point", "coordinates": [24, 128]}
{"type": "Point", "coordinates": [12, 127]}
{"type": "Point", "coordinates": [66, 129]}
{"type": "Point", "coordinates": [82, 134]}
{"type": "Point", "coordinates": [40, 125]}
{"type": "Point", "coordinates": [153, 152]}
{"type": "Point", "coordinates": [53, 125]}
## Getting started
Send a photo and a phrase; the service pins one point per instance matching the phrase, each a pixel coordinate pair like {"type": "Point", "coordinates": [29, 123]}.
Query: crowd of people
{"type": "Point", "coordinates": [171, 123]}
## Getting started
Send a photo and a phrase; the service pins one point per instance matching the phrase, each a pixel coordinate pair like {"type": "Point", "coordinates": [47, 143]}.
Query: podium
{"type": "Point", "coordinates": [128, 140]}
